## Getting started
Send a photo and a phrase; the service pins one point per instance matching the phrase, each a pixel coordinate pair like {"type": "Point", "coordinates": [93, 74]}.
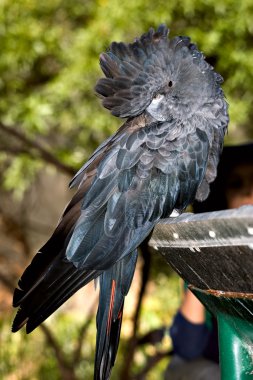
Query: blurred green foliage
{"type": "Point", "coordinates": [50, 63]}
{"type": "Point", "coordinates": [29, 357]}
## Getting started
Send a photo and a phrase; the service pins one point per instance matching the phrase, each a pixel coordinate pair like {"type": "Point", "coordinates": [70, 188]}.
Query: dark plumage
{"type": "Point", "coordinates": [162, 158]}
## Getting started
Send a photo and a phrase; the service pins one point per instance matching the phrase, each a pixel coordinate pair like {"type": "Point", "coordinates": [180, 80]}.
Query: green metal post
{"type": "Point", "coordinates": [236, 355]}
{"type": "Point", "coordinates": [214, 253]}
{"type": "Point", "coordinates": [234, 313]}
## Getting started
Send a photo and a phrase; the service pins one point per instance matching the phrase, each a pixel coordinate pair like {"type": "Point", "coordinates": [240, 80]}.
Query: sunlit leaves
{"type": "Point", "coordinates": [49, 62]}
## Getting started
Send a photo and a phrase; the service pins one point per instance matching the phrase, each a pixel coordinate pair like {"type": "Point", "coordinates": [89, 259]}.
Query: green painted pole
{"type": "Point", "coordinates": [214, 253]}
{"type": "Point", "coordinates": [236, 354]}
{"type": "Point", "coordinates": [234, 313]}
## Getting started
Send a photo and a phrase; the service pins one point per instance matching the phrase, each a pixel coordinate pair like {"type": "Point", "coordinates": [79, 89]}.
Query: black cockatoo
{"type": "Point", "coordinates": [162, 158]}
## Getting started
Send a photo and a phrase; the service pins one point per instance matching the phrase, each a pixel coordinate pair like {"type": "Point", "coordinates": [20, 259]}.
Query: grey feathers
{"type": "Point", "coordinates": [161, 159]}
{"type": "Point", "coordinates": [153, 64]}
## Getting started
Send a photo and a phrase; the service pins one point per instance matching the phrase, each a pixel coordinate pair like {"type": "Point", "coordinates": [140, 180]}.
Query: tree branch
{"type": "Point", "coordinates": [82, 332]}
{"type": "Point", "coordinates": [132, 344]}
{"type": "Point", "coordinates": [14, 150]}
{"type": "Point", "coordinates": [15, 230]}
{"type": "Point", "coordinates": [144, 280]}
{"type": "Point", "coordinates": [43, 153]}
{"type": "Point", "coordinates": [151, 362]}
{"type": "Point", "coordinates": [67, 371]}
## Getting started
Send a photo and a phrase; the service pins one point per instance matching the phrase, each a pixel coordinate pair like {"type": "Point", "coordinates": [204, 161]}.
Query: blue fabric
{"type": "Point", "coordinates": [211, 350]}
{"type": "Point", "coordinates": [190, 340]}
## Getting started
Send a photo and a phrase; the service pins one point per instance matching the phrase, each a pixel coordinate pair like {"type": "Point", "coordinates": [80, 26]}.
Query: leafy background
{"type": "Point", "coordinates": [51, 121]}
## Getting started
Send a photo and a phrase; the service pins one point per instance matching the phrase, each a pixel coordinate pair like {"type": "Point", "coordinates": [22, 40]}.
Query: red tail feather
{"type": "Point", "coordinates": [109, 321]}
